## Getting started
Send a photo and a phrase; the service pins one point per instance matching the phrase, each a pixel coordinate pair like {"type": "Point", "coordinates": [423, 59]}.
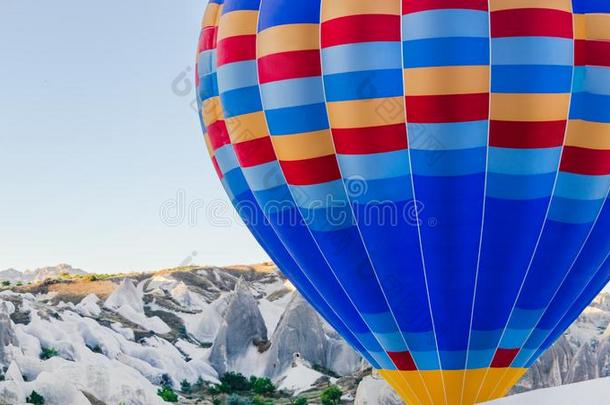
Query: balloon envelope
{"type": "Point", "coordinates": [432, 175]}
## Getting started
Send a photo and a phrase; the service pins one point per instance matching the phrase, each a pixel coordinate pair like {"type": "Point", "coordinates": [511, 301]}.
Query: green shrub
{"type": "Point", "coordinates": [167, 394]}
{"type": "Point", "coordinates": [6, 283]}
{"type": "Point", "coordinates": [48, 352]}
{"type": "Point", "coordinates": [299, 401]}
{"type": "Point", "coordinates": [214, 390]}
{"type": "Point", "coordinates": [35, 398]}
{"type": "Point", "coordinates": [185, 386]}
{"type": "Point", "coordinates": [231, 382]}
{"type": "Point", "coordinates": [262, 386]}
{"type": "Point", "coordinates": [216, 401]}
{"type": "Point", "coordinates": [331, 396]}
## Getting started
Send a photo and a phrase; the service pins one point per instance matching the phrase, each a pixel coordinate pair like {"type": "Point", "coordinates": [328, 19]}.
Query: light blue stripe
{"type": "Point", "coordinates": [379, 192]}
{"type": "Point", "coordinates": [532, 51]}
{"type": "Point", "coordinates": [523, 356]}
{"type": "Point", "coordinates": [237, 75]}
{"type": "Point", "coordinates": [448, 136]}
{"type": "Point", "coordinates": [445, 23]}
{"type": "Point", "coordinates": [572, 211]}
{"type": "Point", "coordinates": [375, 165]}
{"type": "Point", "coordinates": [361, 56]}
{"type": "Point", "coordinates": [225, 156]}
{"type": "Point", "coordinates": [582, 187]}
{"type": "Point", "coordinates": [592, 79]}
{"type": "Point", "coordinates": [514, 338]}
{"type": "Point", "coordinates": [480, 358]}
{"type": "Point", "coordinates": [425, 360]}
{"type": "Point", "coordinates": [292, 93]}
{"type": "Point", "coordinates": [207, 62]}
{"type": "Point", "coordinates": [524, 161]}
{"type": "Point", "coordinates": [321, 195]}
{"type": "Point", "coordinates": [265, 176]}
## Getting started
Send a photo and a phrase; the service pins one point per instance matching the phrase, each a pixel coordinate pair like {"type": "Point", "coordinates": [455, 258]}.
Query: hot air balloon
{"type": "Point", "coordinates": [432, 175]}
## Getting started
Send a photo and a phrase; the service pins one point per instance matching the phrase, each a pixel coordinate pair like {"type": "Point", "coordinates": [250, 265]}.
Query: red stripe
{"type": "Point", "coordinates": [289, 65]}
{"type": "Point", "coordinates": [592, 53]}
{"type": "Point", "coordinates": [362, 141]}
{"type": "Point", "coordinates": [448, 108]}
{"type": "Point", "coordinates": [236, 49]}
{"type": "Point", "coordinates": [517, 134]}
{"type": "Point", "coordinates": [219, 136]}
{"type": "Point", "coordinates": [207, 39]}
{"type": "Point", "coordinates": [504, 358]}
{"type": "Point", "coordinates": [254, 152]}
{"type": "Point", "coordinates": [410, 6]}
{"type": "Point", "coordinates": [217, 168]}
{"type": "Point", "coordinates": [537, 22]}
{"type": "Point", "coordinates": [403, 361]}
{"type": "Point", "coordinates": [593, 162]}
{"type": "Point", "coordinates": [360, 28]}
{"type": "Point", "coordinates": [311, 171]}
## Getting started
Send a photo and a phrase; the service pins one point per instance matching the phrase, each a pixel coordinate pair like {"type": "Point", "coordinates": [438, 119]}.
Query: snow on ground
{"type": "Point", "coordinates": [298, 379]}
{"type": "Point", "coordinates": [592, 392]}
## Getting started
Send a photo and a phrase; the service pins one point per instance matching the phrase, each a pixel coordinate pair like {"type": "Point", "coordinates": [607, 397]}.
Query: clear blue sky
{"type": "Point", "coordinates": [94, 140]}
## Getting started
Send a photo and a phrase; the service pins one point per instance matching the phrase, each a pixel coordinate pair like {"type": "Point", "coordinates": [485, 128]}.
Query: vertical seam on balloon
{"type": "Point", "coordinates": [322, 253]}
{"type": "Point", "coordinates": [592, 225]}
{"type": "Point", "coordinates": [417, 219]}
{"type": "Point", "coordinates": [476, 277]}
{"type": "Point", "coordinates": [543, 227]}
{"type": "Point", "coordinates": [290, 253]}
{"type": "Point", "coordinates": [349, 200]}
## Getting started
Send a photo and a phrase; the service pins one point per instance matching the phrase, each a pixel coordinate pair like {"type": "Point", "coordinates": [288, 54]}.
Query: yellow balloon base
{"type": "Point", "coordinates": [452, 387]}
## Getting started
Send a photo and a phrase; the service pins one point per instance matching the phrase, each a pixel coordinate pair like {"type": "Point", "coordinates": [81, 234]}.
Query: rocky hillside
{"type": "Point", "coordinates": [81, 339]}
{"type": "Point", "coordinates": [97, 339]}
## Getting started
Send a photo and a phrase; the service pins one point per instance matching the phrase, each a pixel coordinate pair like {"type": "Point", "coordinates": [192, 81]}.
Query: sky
{"type": "Point", "coordinates": [102, 161]}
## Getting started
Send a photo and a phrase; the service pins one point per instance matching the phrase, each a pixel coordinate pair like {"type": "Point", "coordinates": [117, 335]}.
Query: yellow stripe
{"type": "Point", "coordinates": [580, 26]}
{"type": "Point", "coordinates": [303, 146]}
{"type": "Point", "coordinates": [212, 111]}
{"type": "Point", "coordinates": [341, 8]}
{"type": "Point", "coordinates": [237, 23]}
{"type": "Point", "coordinates": [591, 135]}
{"type": "Point", "coordinates": [529, 107]}
{"type": "Point", "coordinates": [446, 80]}
{"type": "Point", "coordinates": [597, 26]}
{"type": "Point", "coordinates": [366, 113]}
{"type": "Point", "coordinates": [497, 5]}
{"type": "Point", "coordinates": [286, 38]}
{"type": "Point", "coordinates": [499, 380]}
{"type": "Point", "coordinates": [247, 127]}
{"type": "Point", "coordinates": [459, 387]}
{"type": "Point", "coordinates": [405, 391]}
{"type": "Point", "coordinates": [212, 11]}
